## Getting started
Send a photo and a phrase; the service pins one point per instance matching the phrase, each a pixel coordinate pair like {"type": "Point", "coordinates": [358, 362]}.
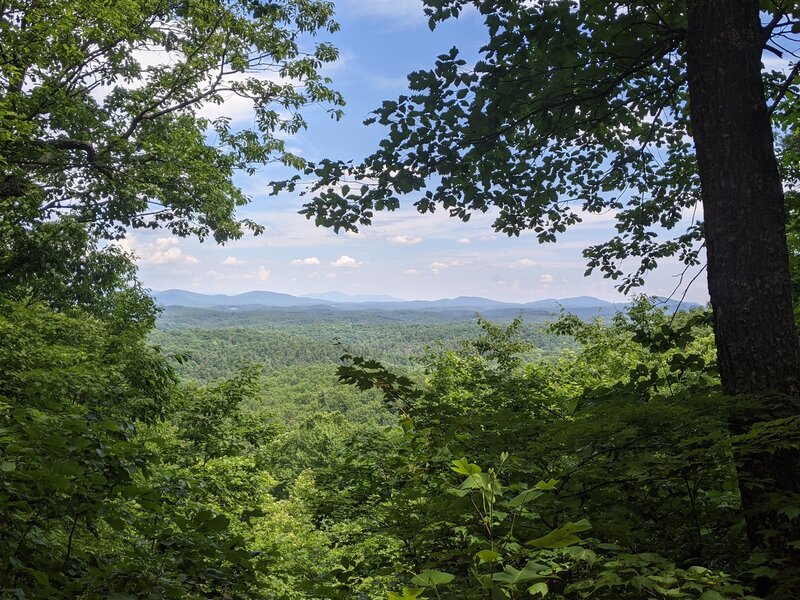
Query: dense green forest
{"type": "Point", "coordinates": [213, 344]}
{"type": "Point", "coordinates": [652, 455]}
{"type": "Point", "coordinates": [486, 469]}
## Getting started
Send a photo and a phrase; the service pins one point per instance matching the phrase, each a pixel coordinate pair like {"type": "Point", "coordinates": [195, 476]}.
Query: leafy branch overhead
{"type": "Point", "coordinates": [573, 109]}
{"type": "Point", "coordinates": [102, 106]}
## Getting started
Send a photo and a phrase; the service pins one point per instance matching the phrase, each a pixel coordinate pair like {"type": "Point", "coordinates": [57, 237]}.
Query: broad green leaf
{"type": "Point", "coordinates": [476, 481]}
{"type": "Point", "coordinates": [524, 498]}
{"type": "Point", "coordinates": [539, 588]}
{"type": "Point", "coordinates": [464, 467]}
{"type": "Point", "coordinates": [792, 511]}
{"type": "Point", "coordinates": [486, 556]}
{"type": "Point", "coordinates": [765, 571]}
{"type": "Point", "coordinates": [547, 485]}
{"type": "Point", "coordinates": [432, 578]}
{"type": "Point", "coordinates": [510, 575]}
{"type": "Point", "coordinates": [563, 536]}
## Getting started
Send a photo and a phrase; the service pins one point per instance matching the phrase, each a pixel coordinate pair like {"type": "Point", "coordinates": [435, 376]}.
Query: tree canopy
{"type": "Point", "coordinates": [100, 107]}
{"type": "Point", "coordinates": [572, 108]}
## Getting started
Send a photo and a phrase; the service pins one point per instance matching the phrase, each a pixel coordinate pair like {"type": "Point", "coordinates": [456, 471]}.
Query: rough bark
{"type": "Point", "coordinates": [748, 265]}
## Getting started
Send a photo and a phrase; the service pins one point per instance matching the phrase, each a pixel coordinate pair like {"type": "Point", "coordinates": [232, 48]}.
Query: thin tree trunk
{"type": "Point", "coordinates": [748, 265]}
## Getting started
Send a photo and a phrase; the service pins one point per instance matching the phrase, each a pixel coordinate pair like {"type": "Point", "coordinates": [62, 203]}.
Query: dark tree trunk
{"type": "Point", "coordinates": [748, 264]}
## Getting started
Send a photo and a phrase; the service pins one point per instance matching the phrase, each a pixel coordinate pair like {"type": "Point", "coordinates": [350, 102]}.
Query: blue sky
{"type": "Point", "coordinates": [403, 254]}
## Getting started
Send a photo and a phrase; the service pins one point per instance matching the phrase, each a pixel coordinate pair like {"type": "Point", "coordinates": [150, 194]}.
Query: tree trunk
{"type": "Point", "coordinates": [748, 265]}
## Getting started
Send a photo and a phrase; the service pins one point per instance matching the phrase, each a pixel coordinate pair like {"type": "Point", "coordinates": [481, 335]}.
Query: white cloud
{"type": "Point", "coordinates": [232, 260]}
{"type": "Point", "coordinates": [527, 262]}
{"type": "Point", "coordinates": [171, 255]}
{"type": "Point", "coordinates": [311, 260]}
{"type": "Point", "coordinates": [410, 272]}
{"type": "Point", "coordinates": [393, 84]}
{"type": "Point", "coordinates": [346, 261]}
{"type": "Point", "coordinates": [165, 250]}
{"type": "Point", "coordinates": [404, 239]}
{"type": "Point", "coordinates": [463, 240]}
{"type": "Point", "coordinates": [261, 274]}
{"type": "Point", "coordinates": [546, 279]}
{"type": "Point", "coordinates": [284, 227]}
{"type": "Point", "coordinates": [437, 226]}
{"type": "Point", "coordinates": [331, 275]}
{"type": "Point", "coordinates": [438, 265]}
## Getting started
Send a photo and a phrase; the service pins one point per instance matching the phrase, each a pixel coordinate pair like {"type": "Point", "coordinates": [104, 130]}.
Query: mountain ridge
{"type": "Point", "coordinates": [334, 296]}
{"type": "Point", "coordinates": [255, 298]}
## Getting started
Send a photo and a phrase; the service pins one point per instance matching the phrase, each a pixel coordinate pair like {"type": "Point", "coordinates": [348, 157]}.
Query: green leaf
{"type": "Point", "coordinates": [510, 575]}
{"type": "Point", "coordinates": [432, 578]}
{"type": "Point", "coordinates": [477, 481]}
{"type": "Point", "coordinates": [463, 466]}
{"type": "Point", "coordinates": [584, 554]}
{"type": "Point", "coordinates": [792, 511]}
{"type": "Point", "coordinates": [765, 571]}
{"type": "Point", "coordinates": [524, 498]}
{"type": "Point", "coordinates": [539, 588]}
{"type": "Point", "coordinates": [486, 556]}
{"type": "Point", "coordinates": [408, 594]}
{"type": "Point", "coordinates": [563, 536]}
{"type": "Point", "coordinates": [115, 522]}
{"type": "Point", "coordinates": [207, 523]}
{"type": "Point", "coordinates": [549, 485]}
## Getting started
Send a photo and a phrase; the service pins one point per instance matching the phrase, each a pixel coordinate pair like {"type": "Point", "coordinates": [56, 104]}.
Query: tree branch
{"type": "Point", "coordinates": [147, 114]}
{"type": "Point", "coordinates": [766, 30]}
{"type": "Point", "coordinates": [784, 88]}
{"type": "Point", "coordinates": [73, 144]}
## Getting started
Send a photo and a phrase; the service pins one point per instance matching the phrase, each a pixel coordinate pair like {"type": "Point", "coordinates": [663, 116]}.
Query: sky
{"type": "Point", "coordinates": [403, 254]}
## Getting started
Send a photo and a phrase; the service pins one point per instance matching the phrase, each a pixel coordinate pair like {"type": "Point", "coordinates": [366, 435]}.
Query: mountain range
{"type": "Point", "coordinates": [584, 306]}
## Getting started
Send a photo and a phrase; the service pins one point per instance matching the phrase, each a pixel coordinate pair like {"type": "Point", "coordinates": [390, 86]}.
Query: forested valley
{"type": "Point", "coordinates": [229, 461]}
{"type": "Point", "coordinates": [151, 452]}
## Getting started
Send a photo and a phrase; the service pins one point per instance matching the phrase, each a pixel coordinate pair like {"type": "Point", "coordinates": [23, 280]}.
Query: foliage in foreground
{"type": "Point", "coordinates": [625, 439]}
{"type": "Point", "coordinates": [605, 472]}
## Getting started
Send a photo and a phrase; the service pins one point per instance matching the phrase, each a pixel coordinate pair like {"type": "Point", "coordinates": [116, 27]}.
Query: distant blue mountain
{"type": "Point", "coordinates": [468, 301]}
{"type": "Point", "coordinates": [340, 297]}
{"type": "Point", "coordinates": [582, 302]}
{"type": "Point", "coordinates": [257, 298]}
{"type": "Point", "coordinates": [585, 306]}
